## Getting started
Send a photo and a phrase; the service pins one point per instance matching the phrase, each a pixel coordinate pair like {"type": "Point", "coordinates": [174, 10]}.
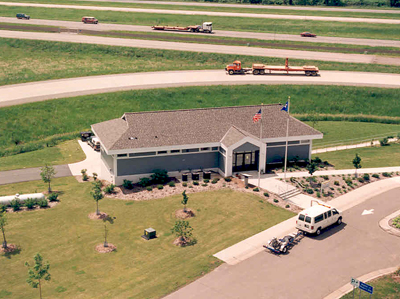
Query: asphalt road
{"type": "Point", "coordinates": [53, 89]}
{"type": "Point", "coordinates": [217, 33]}
{"type": "Point", "coordinates": [203, 48]}
{"type": "Point", "coordinates": [209, 13]}
{"type": "Point", "coordinates": [316, 266]}
{"type": "Point", "coordinates": [282, 7]}
{"type": "Point", "coordinates": [30, 174]}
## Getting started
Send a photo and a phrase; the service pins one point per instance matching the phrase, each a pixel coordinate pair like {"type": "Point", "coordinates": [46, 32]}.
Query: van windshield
{"type": "Point", "coordinates": [308, 219]}
{"type": "Point", "coordinates": [301, 217]}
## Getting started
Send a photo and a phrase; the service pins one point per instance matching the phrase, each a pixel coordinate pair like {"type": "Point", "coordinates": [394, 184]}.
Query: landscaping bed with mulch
{"type": "Point", "coordinates": [395, 223]}
{"type": "Point", "coordinates": [110, 248]}
{"type": "Point", "coordinates": [10, 248]}
{"type": "Point", "coordinates": [99, 216]}
{"type": "Point", "coordinates": [335, 185]}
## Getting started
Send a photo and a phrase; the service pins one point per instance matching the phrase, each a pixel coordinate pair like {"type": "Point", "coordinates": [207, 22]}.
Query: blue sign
{"type": "Point", "coordinates": [366, 287]}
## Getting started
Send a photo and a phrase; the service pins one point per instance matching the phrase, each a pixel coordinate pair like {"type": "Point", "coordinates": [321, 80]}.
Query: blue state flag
{"type": "Point", "coordinates": [286, 107]}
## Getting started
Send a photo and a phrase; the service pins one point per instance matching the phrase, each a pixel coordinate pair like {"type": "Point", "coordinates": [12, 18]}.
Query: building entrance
{"type": "Point", "coordinates": [245, 161]}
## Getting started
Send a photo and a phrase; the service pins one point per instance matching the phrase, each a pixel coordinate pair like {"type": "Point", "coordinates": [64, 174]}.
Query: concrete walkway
{"type": "Point", "coordinates": [91, 163]}
{"type": "Point", "coordinates": [253, 245]}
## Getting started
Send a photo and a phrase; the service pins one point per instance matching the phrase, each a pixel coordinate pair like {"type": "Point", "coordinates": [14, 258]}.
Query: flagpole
{"type": "Point", "coordinates": [287, 137]}
{"type": "Point", "coordinates": [261, 144]}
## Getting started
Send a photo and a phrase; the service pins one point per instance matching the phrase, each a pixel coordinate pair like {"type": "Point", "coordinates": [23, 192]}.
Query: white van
{"type": "Point", "coordinates": [317, 217]}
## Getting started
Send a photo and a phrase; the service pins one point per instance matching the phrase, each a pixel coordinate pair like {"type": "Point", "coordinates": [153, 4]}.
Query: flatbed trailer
{"type": "Point", "coordinates": [205, 28]}
{"type": "Point", "coordinates": [262, 69]}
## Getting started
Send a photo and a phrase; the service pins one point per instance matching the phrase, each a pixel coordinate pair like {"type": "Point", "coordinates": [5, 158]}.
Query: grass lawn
{"type": "Point", "coordinates": [259, 9]}
{"type": "Point", "coordinates": [322, 28]}
{"type": "Point", "coordinates": [29, 60]}
{"type": "Point", "coordinates": [65, 115]}
{"type": "Point", "coordinates": [63, 153]}
{"type": "Point", "coordinates": [65, 237]}
{"type": "Point", "coordinates": [384, 287]}
{"type": "Point", "coordinates": [386, 156]}
{"type": "Point", "coordinates": [345, 132]}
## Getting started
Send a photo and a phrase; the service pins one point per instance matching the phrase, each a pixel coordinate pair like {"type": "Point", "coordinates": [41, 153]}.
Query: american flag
{"type": "Point", "coordinates": [257, 116]}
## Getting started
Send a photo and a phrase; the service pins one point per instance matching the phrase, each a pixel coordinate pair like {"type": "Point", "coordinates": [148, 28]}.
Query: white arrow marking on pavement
{"type": "Point", "coordinates": [367, 212]}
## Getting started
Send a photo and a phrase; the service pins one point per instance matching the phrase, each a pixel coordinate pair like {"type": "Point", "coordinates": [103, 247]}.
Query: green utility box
{"type": "Point", "coordinates": [149, 233]}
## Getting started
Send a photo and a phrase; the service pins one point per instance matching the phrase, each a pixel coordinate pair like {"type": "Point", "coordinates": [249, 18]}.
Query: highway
{"type": "Point", "coordinates": [216, 33]}
{"type": "Point", "coordinates": [53, 89]}
{"type": "Point", "coordinates": [208, 13]}
{"type": "Point", "coordinates": [203, 48]}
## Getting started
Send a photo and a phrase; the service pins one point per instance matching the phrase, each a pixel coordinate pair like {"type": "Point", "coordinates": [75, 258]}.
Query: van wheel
{"type": "Point", "coordinates": [318, 232]}
{"type": "Point", "coordinates": [284, 250]}
{"type": "Point", "coordinates": [231, 72]}
{"type": "Point", "coordinates": [339, 221]}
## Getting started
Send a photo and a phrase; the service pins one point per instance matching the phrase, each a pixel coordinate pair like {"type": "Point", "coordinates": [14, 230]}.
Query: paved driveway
{"type": "Point", "coordinates": [30, 174]}
{"type": "Point", "coordinates": [315, 267]}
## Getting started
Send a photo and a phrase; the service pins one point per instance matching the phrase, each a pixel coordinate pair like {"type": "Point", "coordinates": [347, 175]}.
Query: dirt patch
{"type": "Point", "coordinates": [10, 248]}
{"type": "Point", "coordinates": [94, 216]}
{"type": "Point", "coordinates": [100, 248]}
{"type": "Point", "coordinates": [184, 214]}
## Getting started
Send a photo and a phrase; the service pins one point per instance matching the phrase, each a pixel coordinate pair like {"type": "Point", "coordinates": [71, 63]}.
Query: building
{"type": "Point", "coordinates": [220, 139]}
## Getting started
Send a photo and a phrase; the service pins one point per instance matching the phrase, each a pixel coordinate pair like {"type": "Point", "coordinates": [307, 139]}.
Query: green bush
{"type": "Point", "coordinates": [196, 183]}
{"type": "Point", "coordinates": [83, 171]}
{"type": "Point", "coordinates": [387, 174]}
{"type": "Point", "coordinates": [143, 182]}
{"type": "Point", "coordinates": [318, 194]}
{"type": "Point", "coordinates": [3, 208]}
{"type": "Point", "coordinates": [287, 206]}
{"type": "Point", "coordinates": [366, 176]}
{"type": "Point", "coordinates": [184, 184]}
{"type": "Point", "coordinates": [159, 187]}
{"type": "Point", "coordinates": [316, 160]}
{"type": "Point", "coordinates": [127, 184]}
{"type": "Point", "coordinates": [227, 179]}
{"type": "Point", "coordinates": [95, 175]}
{"type": "Point", "coordinates": [276, 201]}
{"type": "Point", "coordinates": [310, 191]}
{"type": "Point", "coordinates": [361, 180]}
{"type": "Point", "coordinates": [336, 183]}
{"type": "Point", "coordinates": [159, 176]}
{"type": "Point", "coordinates": [204, 185]}
{"type": "Point", "coordinates": [256, 189]}
{"type": "Point", "coordinates": [30, 203]}
{"type": "Point", "coordinates": [15, 204]}
{"type": "Point", "coordinates": [149, 188]}
{"type": "Point", "coordinates": [85, 177]}
{"type": "Point", "coordinates": [53, 196]}
{"type": "Point", "coordinates": [325, 177]}
{"type": "Point", "coordinates": [396, 222]}
{"type": "Point", "coordinates": [190, 186]}
{"type": "Point", "coordinates": [171, 184]}
{"type": "Point", "coordinates": [109, 189]}
{"type": "Point", "coordinates": [43, 203]}
{"type": "Point", "coordinates": [206, 180]}
{"type": "Point", "coordinates": [349, 182]}
{"type": "Point", "coordinates": [375, 175]}
{"type": "Point", "coordinates": [384, 142]}
{"type": "Point", "coordinates": [214, 181]}
{"type": "Point", "coordinates": [266, 194]}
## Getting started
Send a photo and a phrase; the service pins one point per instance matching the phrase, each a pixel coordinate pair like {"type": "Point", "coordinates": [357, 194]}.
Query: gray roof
{"type": "Point", "coordinates": [196, 126]}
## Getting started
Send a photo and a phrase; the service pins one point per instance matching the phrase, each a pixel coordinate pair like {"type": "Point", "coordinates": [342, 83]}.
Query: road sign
{"type": "Point", "coordinates": [366, 287]}
{"type": "Point", "coordinates": [354, 282]}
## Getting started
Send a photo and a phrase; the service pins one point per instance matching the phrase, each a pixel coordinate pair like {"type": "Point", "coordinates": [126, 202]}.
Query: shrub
{"type": "Point", "coordinates": [227, 179]}
{"type": "Point", "coordinates": [204, 185]}
{"type": "Point", "coordinates": [83, 171]}
{"type": "Point", "coordinates": [149, 188]}
{"type": "Point", "coordinates": [287, 206]}
{"type": "Point", "coordinates": [386, 174]}
{"type": "Point", "coordinates": [336, 183]}
{"type": "Point", "coordinates": [171, 184]}
{"type": "Point", "coordinates": [310, 191]}
{"type": "Point", "coordinates": [316, 160]}
{"type": "Point", "coordinates": [190, 186]}
{"type": "Point", "coordinates": [127, 184]}
{"type": "Point", "coordinates": [318, 194]}
{"type": "Point", "coordinates": [266, 194]}
{"type": "Point", "coordinates": [97, 185]}
{"type": "Point", "coordinates": [214, 181]}
{"type": "Point", "coordinates": [159, 176]}
{"type": "Point", "coordinates": [143, 182]}
{"type": "Point", "coordinates": [95, 175]}
{"type": "Point", "coordinates": [375, 175]}
{"type": "Point", "coordinates": [344, 187]}
{"type": "Point", "coordinates": [3, 208]}
{"type": "Point", "coordinates": [184, 184]}
{"type": "Point", "coordinates": [43, 203]}
{"type": "Point", "coordinates": [52, 197]}
{"type": "Point", "coordinates": [256, 189]}
{"type": "Point", "coordinates": [314, 179]}
{"type": "Point", "coordinates": [206, 180]}
{"type": "Point", "coordinates": [30, 203]}
{"type": "Point", "coordinates": [325, 177]}
{"type": "Point", "coordinates": [15, 204]}
{"type": "Point", "coordinates": [361, 180]}
{"type": "Point", "coordinates": [196, 183]}
{"type": "Point", "coordinates": [349, 182]}
{"type": "Point", "coordinates": [384, 142]}
{"type": "Point", "coordinates": [366, 176]}
{"type": "Point", "coordinates": [85, 177]}
{"type": "Point", "coordinates": [109, 189]}
{"type": "Point", "coordinates": [276, 201]}
{"type": "Point", "coordinates": [160, 187]}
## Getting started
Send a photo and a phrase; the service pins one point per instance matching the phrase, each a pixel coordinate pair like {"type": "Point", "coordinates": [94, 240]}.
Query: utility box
{"type": "Point", "coordinates": [184, 177]}
{"type": "Point", "coordinates": [195, 176]}
{"type": "Point", "coordinates": [149, 233]}
{"type": "Point", "coordinates": [207, 175]}
{"type": "Point", "coordinates": [246, 179]}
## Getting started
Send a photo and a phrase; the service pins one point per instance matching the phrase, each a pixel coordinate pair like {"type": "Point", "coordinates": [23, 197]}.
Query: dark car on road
{"type": "Point", "coordinates": [23, 16]}
{"type": "Point", "coordinates": [308, 34]}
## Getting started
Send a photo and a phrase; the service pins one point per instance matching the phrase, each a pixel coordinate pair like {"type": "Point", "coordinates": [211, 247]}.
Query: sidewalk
{"type": "Point", "coordinates": [253, 245]}
{"type": "Point", "coordinates": [351, 146]}
{"type": "Point", "coordinates": [91, 163]}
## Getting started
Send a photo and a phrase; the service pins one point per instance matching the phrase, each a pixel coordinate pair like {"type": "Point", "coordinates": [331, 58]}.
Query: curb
{"type": "Point", "coordinates": [384, 224]}
{"type": "Point", "coordinates": [347, 288]}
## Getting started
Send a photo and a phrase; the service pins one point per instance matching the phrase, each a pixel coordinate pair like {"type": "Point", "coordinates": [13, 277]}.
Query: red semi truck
{"type": "Point", "coordinates": [262, 69]}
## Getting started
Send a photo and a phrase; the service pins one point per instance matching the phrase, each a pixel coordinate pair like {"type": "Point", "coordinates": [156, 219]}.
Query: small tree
{"type": "Point", "coordinates": [184, 200]}
{"type": "Point", "coordinates": [182, 230]}
{"type": "Point", "coordinates": [37, 273]}
{"type": "Point", "coordinates": [97, 195]}
{"type": "Point", "coordinates": [110, 220]}
{"type": "Point", "coordinates": [3, 223]}
{"type": "Point", "coordinates": [311, 168]}
{"type": "Point", "coordinates": [47, 173]}
{"type": "Point", "coordinates": [357, 163]}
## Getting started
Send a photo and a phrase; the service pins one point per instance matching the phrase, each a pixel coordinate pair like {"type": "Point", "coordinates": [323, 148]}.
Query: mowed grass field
{"type": "Point", "coordinates": [66, 238]}
{"type": "Point", "coordinates": [29, 60]}
{"type": "Point", "coordinates": [258, 9]}
{"type": "Point", "coordinates": [49, 118]}
{"type": "Point", "coordinates": [322, 28]}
